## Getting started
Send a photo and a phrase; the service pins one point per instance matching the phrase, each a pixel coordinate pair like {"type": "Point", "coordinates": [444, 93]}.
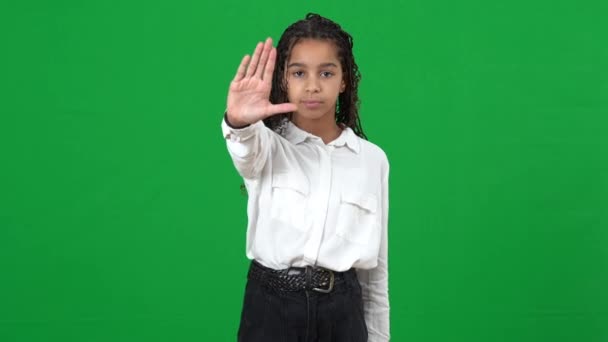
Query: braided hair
{"type": "Point", "coordinates": [315, 26]}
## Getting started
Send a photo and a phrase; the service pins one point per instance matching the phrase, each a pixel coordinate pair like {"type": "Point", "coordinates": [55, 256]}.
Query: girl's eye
{"type": "Point", "coordinates": [325, 74]}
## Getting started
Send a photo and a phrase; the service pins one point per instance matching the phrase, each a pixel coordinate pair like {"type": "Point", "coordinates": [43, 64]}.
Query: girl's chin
{"type": "Point", "coordinates": [311, 113]}
{"type": "Point", "coordinates": [308, 115]}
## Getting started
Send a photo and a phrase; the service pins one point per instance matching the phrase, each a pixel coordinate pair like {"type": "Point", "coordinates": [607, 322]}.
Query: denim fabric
{"type": "Point", "coordinates": [270, 315]}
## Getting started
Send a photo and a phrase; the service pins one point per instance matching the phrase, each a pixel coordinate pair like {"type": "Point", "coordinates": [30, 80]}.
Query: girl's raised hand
{"type": "Point", "coordinates": [249, 92]}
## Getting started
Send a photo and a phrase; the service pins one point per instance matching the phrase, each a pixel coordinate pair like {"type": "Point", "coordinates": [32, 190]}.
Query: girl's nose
{"type": "Point", "coordinates": [313, 86]}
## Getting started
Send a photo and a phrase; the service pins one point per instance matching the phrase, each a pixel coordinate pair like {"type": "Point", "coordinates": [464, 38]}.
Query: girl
{"type": "Point", "coordinates": [318, 191]}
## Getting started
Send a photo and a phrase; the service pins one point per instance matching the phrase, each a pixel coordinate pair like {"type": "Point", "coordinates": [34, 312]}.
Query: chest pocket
{"type": "Point", "coordinates": [290, 200]}
{"type": "Point", "coordinates": [357, 216]}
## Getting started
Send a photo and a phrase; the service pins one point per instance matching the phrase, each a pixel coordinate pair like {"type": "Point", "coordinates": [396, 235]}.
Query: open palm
{"type": "Point", "coordinates": [249, 92]}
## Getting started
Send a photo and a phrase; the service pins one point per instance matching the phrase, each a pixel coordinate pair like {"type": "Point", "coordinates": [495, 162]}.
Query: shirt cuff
{"type": "Point", "coordinates": [230, 125]}
{"type": "Point", "coordinates": [236, 134]}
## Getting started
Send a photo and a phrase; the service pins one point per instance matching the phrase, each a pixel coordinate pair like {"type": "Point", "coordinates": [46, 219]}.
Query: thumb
{"type": "Point", "coordinates": [281, 108]}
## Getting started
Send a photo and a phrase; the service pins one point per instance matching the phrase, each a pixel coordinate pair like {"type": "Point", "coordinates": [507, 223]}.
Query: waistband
{"type": "Point", "coordinates": [309, 278]}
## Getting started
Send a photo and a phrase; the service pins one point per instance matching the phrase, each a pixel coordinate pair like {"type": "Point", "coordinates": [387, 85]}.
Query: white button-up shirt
{"type": "Point", "coordinates": [317, 204]}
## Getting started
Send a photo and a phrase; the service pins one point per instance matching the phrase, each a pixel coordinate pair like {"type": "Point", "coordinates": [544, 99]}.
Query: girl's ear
{"type": "Point", "coordinates": [342, 86]}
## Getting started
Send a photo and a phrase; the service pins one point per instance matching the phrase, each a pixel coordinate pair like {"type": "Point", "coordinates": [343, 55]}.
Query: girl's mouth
{"type": "Point", "coordinates": [312, 104]}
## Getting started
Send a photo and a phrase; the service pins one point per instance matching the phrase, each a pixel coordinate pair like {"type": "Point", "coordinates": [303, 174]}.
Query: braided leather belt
{"type": "Point", "coordinates": [297, 278]}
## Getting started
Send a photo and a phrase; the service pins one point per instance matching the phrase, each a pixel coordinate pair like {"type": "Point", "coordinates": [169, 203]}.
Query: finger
{"type": "Point", "coordinates": [240, 73]}
{"type": "Point", "coordinates": [265, 52]}
{"type": "Point", "coordinates": [254, 60]}
{"type": "Point", "coordinates": [268, 70]}
{"type": "Point", "coordinates": [281, 108]}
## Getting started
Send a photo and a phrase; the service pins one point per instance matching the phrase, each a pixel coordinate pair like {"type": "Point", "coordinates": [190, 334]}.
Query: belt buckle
{"type": "Point", "coordinates": [331, 284]}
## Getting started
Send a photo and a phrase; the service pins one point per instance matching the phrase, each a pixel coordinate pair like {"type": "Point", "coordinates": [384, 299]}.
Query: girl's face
{"type": "Point", "coordinates": [314, 78]}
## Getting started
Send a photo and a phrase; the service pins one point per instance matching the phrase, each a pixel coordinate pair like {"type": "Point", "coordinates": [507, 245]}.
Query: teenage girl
{"type": "Point", "coordinates": [318, 191]}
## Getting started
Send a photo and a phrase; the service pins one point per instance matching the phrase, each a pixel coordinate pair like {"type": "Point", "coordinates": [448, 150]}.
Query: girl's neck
{"type": "Point", "coordinates": [325, 127]}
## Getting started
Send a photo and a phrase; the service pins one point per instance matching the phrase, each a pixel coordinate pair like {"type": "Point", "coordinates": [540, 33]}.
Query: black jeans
{"type": "Point", "coordinates": [304, 316]}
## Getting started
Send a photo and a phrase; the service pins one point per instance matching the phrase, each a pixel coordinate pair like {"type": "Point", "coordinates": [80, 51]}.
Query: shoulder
{"type": "Point", "coordinates": [373, 151]}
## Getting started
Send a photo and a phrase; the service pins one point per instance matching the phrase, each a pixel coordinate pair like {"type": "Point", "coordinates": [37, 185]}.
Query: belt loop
{"type": "Point", "coordinates": [308, 277]}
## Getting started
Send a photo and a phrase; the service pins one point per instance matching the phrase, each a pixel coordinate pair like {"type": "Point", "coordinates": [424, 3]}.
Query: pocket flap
{"type": "Point", "coordinates": [368, 202]}
{"type": "Point", "coordinates": [285, 180]}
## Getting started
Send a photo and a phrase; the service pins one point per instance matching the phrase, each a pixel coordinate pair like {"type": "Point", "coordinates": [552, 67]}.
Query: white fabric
{"type": "Point", "coordinates": [316, 204]}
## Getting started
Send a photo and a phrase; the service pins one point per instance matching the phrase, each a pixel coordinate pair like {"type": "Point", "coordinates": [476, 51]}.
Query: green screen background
{"type": "Point", "coordinates": [121, 217]}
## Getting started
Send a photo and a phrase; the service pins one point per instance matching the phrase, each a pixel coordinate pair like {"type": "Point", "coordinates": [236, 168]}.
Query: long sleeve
{"type": "Point", "coordinates": [374, 282]}
{"type": "Point", "coordinates": [248, 146]}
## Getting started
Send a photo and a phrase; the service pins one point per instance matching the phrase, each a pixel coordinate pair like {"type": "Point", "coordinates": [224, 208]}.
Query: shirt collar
{"type": "Point", "coordinates": [297, 135]}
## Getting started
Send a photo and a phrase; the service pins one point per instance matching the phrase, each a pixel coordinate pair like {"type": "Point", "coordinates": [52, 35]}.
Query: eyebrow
{"type": "Point", "coordinates": [322, 65]}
